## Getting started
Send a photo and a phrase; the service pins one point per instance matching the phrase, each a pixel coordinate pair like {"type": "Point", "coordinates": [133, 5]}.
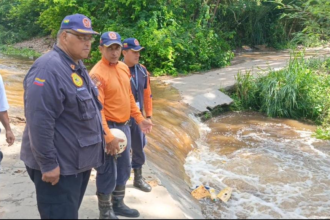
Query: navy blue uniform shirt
{"type": "Point", "coordinates": [138, 86]}
{"type": "Point", "coordinates": [63, 122]}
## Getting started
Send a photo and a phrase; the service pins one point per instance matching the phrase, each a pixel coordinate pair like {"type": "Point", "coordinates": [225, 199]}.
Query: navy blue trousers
{"type": "Point", "coordinates": [138, 143]}
{"type": "Point", "coordinates": [63, 200]}
{"type": "Point", "coordinates": [113, 172]}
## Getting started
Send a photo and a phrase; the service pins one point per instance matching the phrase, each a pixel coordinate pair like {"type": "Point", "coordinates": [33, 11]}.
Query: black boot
{"type": "Point", "coordinates": [105, 207]}
{"type": "Point", "coordinates": [139, 182]}
{"type": "Point", "coordinates": [119, 206]}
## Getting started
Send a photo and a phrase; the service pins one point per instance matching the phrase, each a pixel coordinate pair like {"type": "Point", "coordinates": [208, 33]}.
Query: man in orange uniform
{"type": "Point", "coordinates": [140, 85]}
{"type": "Point", "coordinates": [112, 77]}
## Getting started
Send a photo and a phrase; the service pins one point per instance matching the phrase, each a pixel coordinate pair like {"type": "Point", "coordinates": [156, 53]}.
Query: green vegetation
{"type": "Point", "coordinates": [180, 36]}
{"type": "Point", "coordinates": [299, 91]}
{"type": "Point", "coordinates": [24, 52]}
{"type": "Point", "coordinates": [183, 36]}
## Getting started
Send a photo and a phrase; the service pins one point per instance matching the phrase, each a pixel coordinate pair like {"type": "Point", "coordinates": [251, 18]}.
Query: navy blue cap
{"type": "Point", "coordinates": [132, 44]}
{"type": "Point", "coordinates": [109, 38]}
{"type": "Point", "coordinates": [79, 23]}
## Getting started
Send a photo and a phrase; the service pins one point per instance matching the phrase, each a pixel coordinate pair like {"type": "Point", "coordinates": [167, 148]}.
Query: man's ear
{"type": "Point", "coordinates": [64, 37]}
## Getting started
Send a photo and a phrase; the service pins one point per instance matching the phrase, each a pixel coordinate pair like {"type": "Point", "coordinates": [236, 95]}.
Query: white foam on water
{"type": "Point", "coordinates": [274, 177]}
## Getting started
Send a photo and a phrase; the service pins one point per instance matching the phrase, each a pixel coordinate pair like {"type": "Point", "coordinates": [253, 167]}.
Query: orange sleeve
{"type": "Point", "coordinates": [101, 87]}
{"type": "Point", "coordinates": [148, 98]}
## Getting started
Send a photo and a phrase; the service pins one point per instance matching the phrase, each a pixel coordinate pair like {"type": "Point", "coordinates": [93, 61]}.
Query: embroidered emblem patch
{"type": "Point", "coordinates": [136, 42]}
{"type": "Point", "coordinates": [112, 35]}
{"type": "Point", "coordinates": [96, 81]}
{"type": "Point", "coordinates": [87, 23]}
{"type": "Point", "coordinates": [39, 82]}
{"type": "Point", "coordinates": [66, 21]}
{"type": "Point", "coordinates": [77, 80]}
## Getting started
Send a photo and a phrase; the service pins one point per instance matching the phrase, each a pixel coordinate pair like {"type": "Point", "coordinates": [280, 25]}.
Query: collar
{"type": "Point", "coordinates": [68, 60]}
{"type": "Point", "coordinates": [106, 62]}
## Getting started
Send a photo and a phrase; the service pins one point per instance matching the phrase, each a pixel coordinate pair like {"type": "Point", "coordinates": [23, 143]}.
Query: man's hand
{"type": "Point", "coordinates": [113, 147]}
{"type": "Point", "coordinates": [52, 176]}
{"type": "Point", "coordinates": [146, 126]}
{"type": "Point", "coordinates": [149, 119]}
{"type": "Point", "coordinates": [10, 138]}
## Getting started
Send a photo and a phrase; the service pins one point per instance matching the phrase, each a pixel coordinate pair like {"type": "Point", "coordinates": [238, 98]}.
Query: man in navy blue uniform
{"type": "Point", "coordinates": [63, 138]}
{"type": "Point", "coordinates": [140, 85]}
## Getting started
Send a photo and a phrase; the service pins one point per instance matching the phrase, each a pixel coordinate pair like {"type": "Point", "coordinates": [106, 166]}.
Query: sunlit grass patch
{"type": "Point", "coordinates": [299, 91]}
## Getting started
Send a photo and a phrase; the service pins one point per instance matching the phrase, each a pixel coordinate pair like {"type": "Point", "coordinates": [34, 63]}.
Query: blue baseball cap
{"type": "Point", "coordinates": [109, 38]}
{"type": "Point", "coordinates": [79, 23]}
{"type": "Point", "coordinates": [132, 44]}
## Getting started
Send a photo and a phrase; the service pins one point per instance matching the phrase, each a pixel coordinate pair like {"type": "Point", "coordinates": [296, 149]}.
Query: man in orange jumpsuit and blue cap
{"type": "Point", "coordinates": [112, 77]}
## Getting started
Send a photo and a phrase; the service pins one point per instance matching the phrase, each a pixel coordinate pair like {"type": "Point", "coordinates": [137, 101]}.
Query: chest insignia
{"type": "Point", "coordinates": [77, 80]}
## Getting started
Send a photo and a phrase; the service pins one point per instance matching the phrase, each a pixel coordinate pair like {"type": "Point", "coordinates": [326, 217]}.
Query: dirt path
{"type": "Point", "coordinates": [18, 198]}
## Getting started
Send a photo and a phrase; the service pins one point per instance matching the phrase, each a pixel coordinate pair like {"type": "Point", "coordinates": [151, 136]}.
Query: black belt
{"type": "Point", "coordinates": [128, 122]}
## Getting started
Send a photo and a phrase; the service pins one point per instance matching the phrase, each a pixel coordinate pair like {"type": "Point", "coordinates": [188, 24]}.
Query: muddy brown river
{"type": "Point", "coordinates": [276, 168]}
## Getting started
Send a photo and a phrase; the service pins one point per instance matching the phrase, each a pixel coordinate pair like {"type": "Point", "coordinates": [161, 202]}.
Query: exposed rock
{"type": "Point", "coordinates": [41, 45]}
{"type": "Point", "coordinates": [247, 48]}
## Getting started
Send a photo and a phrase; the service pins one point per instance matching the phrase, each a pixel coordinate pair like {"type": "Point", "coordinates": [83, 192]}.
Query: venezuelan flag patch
{"type": "Point", "coordinates": [39, 82]}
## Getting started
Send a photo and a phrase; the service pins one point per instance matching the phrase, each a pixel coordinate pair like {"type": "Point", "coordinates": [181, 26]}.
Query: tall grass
{"type": "Point", "coordinates": [299, 91]}
{"type": "Point", "coordinates": [23, 52]}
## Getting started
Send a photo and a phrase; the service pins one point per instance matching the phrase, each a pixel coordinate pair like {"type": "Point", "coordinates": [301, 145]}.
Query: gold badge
{"type": "Point", "coordinates": [77, 80]}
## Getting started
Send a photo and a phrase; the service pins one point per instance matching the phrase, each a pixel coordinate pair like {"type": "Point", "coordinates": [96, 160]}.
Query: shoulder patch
{"type": "Point", "coordinates": [39, 82]}
{"type": "Point", "coordinates": [95, 80]}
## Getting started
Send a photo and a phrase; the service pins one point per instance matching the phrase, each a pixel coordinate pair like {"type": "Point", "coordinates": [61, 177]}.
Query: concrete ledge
{"type": "Point", "coordinates": [210, 99]}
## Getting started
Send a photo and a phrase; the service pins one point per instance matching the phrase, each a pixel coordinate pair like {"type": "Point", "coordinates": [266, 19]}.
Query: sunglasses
{"type": "Point", "coordinates": [82, 37]}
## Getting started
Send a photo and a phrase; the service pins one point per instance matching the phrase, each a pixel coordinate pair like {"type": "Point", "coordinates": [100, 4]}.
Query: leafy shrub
{"type": "Point", "coordinates": [300, 91]}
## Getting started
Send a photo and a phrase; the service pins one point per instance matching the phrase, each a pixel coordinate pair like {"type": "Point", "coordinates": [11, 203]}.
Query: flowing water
{"type": "Point", "coordinates": [275, 167]}
{"type": "Point", "coordinates": [277, 170]}
{"type": "Point", "coordinates": [13, 71]}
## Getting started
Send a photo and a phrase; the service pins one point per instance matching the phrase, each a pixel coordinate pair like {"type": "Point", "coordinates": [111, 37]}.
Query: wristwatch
{"type": "Point", "coordinates": [149, 117]}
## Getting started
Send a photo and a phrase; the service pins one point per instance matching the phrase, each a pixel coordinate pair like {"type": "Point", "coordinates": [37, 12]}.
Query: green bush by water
{"type": "Point", "coordinates": [23, 52]}
{"type": "Point", "coordinates": [299, 91]}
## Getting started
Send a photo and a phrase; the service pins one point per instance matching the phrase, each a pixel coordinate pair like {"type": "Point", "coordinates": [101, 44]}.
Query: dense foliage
{"type": "Point", "coordinates": [181, 36]}
{"type": "Point", "coordinates": [300, 91]}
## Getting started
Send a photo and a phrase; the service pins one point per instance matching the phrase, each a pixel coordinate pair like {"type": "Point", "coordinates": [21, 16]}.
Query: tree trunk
{"type": "Point", "coordinates": [215, 11]}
